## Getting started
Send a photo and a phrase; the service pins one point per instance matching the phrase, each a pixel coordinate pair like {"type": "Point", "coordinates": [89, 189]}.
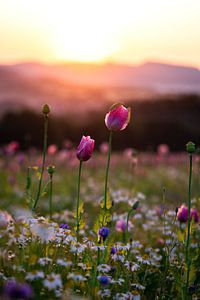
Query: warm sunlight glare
{"type": "Point", "coordinates": [127, 31]}
{"type": "Point", "coordinates": [84, 31]}
{"type": "Point", "coordinates": [88, 43]}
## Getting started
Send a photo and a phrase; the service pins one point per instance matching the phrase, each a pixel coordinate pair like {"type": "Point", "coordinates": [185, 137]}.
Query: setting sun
{"type": "Point", "coordinates": [85, 41]}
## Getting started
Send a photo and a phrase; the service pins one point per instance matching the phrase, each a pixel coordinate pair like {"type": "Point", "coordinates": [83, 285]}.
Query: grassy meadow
{"type": "Point", "coordinates": [65, 238]}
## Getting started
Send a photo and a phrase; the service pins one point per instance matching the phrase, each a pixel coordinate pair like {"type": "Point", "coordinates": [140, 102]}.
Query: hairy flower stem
{"type": "Point", "coordinates": [107, 170]}
{"type": "Point", "coordinates": [50, 195]}
{"type": "Point", "coordinates": [187, 258]}
{"type": "Point", "coordinates": [43, 160]}
{"type": "Point", "coordinates": [78, 200]}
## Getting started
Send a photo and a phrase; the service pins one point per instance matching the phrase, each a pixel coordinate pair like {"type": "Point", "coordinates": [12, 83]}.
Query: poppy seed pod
{"type": "Point", "coordinates": [51, 170]}
{"type": "Point", "coordinates": [190, 147]}
{"type": "Point", "coordinates": [117, 118]}
{"type": "Point", "coordinates": [46, 109]}
{"type": "Point", "coordinates": [85, 148]}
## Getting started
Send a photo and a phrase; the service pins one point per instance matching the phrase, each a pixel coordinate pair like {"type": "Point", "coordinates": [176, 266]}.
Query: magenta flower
{"type": "Point", "coordinates": [85, 148]}
{"type": "Point", "coordinates": [194, 215]}
{"type": "Point", "coordinates": [120, 226]}
{"type": "Point", "coordinates": [182, 214]}
{"type": "Point", "coordinates": [117, 118]}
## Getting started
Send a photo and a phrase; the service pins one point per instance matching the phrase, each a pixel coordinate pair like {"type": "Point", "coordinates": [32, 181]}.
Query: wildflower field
{"type": "Point", "coordinates": [88, 223]}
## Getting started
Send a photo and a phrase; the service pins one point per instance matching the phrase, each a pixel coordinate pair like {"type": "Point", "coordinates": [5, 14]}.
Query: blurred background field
{"type": "Point", "coordinates": [130, 174]}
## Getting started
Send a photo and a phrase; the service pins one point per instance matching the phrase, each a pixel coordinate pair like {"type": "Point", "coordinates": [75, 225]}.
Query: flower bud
{"type": "Point", "coordinates": [135, 205]}
{"type": "Point", "coordinates": [46, 109]}
{"type": "Point", "coordinates": [117, 118]}
{"type": "Point", "coordinates": [190, 147]}
{"type": "Point", "coordinates": [182, 214]}
{"type": "Point", "coordinates": [85, 148]}
{"type": "Point", "coordinates": [50, 170]}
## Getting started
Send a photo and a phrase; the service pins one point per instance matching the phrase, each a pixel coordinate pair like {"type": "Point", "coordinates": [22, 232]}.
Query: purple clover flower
{"type": "Point", "coordinates": [64, 226]}
{"type": "Point", "coordinates": [15, 290]}
{"type": "Point", "coordinates": [182, 214]}
{"type": "Point", "coordinates": [104, 232]}
{"type": "Point", "coordinates": [103, 279]}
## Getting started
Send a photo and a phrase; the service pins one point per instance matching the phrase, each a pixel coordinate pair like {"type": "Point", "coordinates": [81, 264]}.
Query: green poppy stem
{"type": "Point", "coordinates": [187, 258]}
{"type": "Point", "coordinates": [107, 169]}
{"type": "Point", "coordinates": [50, 196]}
{"type": "Point", "coordinates": [127, 221]}
{"type": "Point", "coordinates": [43, 160]}
{"type": "Point", "coordinates": [78, 200]}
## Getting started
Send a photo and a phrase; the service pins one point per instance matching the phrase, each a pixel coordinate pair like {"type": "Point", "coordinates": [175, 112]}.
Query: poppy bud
{"type": "Point", "coordinates": [117, 118]}
{"type": "Point", "coordinates": [85, 148]}
{"type": "Point", "coordinates": [46, 109]}
{"type": "Point", "coordinates": [190, 147]}
{"type": "Point", "coordinates": [50, 170]}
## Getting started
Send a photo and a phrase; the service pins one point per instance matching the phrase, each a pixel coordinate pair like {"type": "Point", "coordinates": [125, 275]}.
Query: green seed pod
{"type": "Point", "coordinates": [46, 109]}
{"type": "Point", "coordinates": [190, 147]}
{"type": "Point", "coordinates": [50, 169]}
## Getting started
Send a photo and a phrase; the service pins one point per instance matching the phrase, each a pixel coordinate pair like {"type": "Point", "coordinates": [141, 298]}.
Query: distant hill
{"type": "Point", "coordinates": [63, 85]}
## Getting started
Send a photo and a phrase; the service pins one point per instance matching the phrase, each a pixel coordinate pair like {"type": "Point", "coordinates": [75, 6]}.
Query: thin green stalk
{"type": "Point", "coordinates": [134, 207]}
{"type": "Point", "coordinates": [127, 221]}
{"type": "Point", "coordinates": [78, 200]}
{"type": "Point", "coordinates": [188, 262]}
{"type": "Point", "coordinates": [107, 169]}
{"type": "Point", "coordinates": [50, 195]}
{"type": "Point", "coordinates": [28, 186]}
{"type": "Point", "coordinates": [43, 160]}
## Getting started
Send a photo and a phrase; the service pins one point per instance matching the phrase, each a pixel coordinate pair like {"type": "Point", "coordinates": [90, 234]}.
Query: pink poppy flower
{"type": "Point", "coordinates": [85, 148]}
{"type": "Point", "coordinates": [117, 118]}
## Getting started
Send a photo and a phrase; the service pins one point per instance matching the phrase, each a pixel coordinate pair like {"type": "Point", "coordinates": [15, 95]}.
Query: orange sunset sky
{"type": "Point", "coordinates": [128, 31]}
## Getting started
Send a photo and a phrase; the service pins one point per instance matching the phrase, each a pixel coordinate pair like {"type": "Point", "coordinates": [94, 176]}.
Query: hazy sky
{"type": "Point", "coordinates": [127, 31]}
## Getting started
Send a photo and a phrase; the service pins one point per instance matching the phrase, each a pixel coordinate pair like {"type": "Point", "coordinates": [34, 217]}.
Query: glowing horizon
{"type": "Point", "coordinates": [91, 31]}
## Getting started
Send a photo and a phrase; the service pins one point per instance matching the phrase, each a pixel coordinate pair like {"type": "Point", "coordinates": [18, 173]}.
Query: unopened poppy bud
{"type": "Point", "coordinates": [85, 148]}
{"type": "Point", "coordinates": [135, 205]}
{"type": "Point", "coordinates": [46, 109]}
{"type": "Point", "coordinates": [190, 147]}
{"type": "Point", "coordinates": [50, 169]}
{"type": "Point", "coordinates": [118, 117]}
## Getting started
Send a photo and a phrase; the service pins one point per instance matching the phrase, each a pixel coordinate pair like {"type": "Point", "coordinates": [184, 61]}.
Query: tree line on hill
{"type": "Point", "coordinates": [173, 121]}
